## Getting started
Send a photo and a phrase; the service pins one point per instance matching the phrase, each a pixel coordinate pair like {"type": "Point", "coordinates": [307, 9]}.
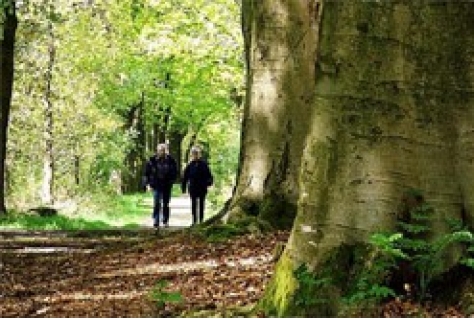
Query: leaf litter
{"type": "Point", "coordinates": [117, 279]}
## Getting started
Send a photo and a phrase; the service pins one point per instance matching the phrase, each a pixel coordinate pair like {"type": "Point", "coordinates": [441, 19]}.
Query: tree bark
{"type": "Point", "coordinates": [280, 38]}
{"type": "Point", "coordinates": [175, 148]}
{"type": "Point", "coordinates": [8, 27]}
{"type": "Point", "coordinates": [47, 190]}
{"type": "Point", "coordinates": [77, 169]}
{"type": "Point", "coordinates": [163, 126]}
{"type": "Point", "coordinates": [165, 114]}
{"type": "Point", "coordinates": [390, 109]}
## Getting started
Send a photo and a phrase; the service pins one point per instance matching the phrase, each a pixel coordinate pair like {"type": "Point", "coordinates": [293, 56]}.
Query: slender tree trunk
{"type": "Point", "coordinates": [175, 141]}
{"type": "Point", "coordinates": [155, 141]}
{"type": "Point", "coordinates": [77, 170]}
{"type": "Point", "coordinates": [165, 112]}
{"type": "Point", "coordinates": [150, 140]}
{"type": "Point", "coordinates": [393, 111]}
{"type": "Point", "coordinates": [141, 147]}
{"type": "Point", "coordinates": [47, 190]}
{"type": "Point", "coordinates": [135, 159]}
{"type": "Point", "coordinates": [163, 126]}
{"type": "Point", "coordinates": [8, 25]}
{"type": "Point", "coordinates": [280, 38]}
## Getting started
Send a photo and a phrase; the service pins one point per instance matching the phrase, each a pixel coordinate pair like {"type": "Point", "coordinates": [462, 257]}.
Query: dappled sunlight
{"type": "Point", "coordinates": [47, 250]}
{"type": "Point", "coordinates": [269, 88]}
{"type": "Point", "coordinates": [94, 296]}
{"type": "Point", "coordinates": [105, 289]}
{"type": "Point", "coordinates": [158, 268]}
{"type": "Point", "coordinates": [117, 280]}
{"type": "Point", "coordinates": [258, 169]}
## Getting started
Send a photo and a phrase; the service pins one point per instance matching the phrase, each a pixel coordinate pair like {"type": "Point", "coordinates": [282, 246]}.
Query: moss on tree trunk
{"type": "Point", "coordinates": [319, 291]}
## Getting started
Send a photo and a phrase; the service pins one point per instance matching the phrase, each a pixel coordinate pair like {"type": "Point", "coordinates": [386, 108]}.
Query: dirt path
{"type": "Point", "coordinates": [180, 212]}
{"type": "Point", "coordinates": [107, 274]}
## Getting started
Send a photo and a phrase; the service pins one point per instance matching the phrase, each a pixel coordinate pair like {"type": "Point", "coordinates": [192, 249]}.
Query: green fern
{"type": "Point", "coordinates": [308, 286]}
{"type": "Point", "coordinates": [413, 229]}
{"type": "Point", "coordinates": [411, 243]}
{"type": "Point", "coordinates": [369, 285]}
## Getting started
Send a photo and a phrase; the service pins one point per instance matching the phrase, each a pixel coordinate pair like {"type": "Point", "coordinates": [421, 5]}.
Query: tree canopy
{"type": "Point", "coordinates": [181, 61]}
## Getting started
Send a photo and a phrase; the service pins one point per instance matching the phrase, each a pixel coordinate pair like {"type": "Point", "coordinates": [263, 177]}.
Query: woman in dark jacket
{"type": "Point", "coordinates": [197, 178]}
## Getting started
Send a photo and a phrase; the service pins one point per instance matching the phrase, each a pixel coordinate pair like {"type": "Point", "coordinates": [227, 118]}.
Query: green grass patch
{"type": "Point", "coordinates": [16, 220]}
{"type": "Point", "coordinates": [99, 211]}
{"type": "Point", "coordinates": [125, 211]}
{"type": "Point", "coordinates": [96, 212]}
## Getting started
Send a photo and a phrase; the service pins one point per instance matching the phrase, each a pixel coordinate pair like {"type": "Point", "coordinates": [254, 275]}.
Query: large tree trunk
{"type": "Point", "coordinates": [8, 24]}
{"type": "Point", "coordinates": [391, 110]}
{"type": "Point", "coordinates": [47, 193]}
{"type": "Point", "coordinates": [280, 38]}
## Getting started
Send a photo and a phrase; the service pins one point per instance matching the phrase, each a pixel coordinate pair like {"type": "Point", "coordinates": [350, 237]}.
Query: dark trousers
{"type": "Point", "coordinates": [161, 203]}
{"type": "Point", "coordinates": [198, 201]}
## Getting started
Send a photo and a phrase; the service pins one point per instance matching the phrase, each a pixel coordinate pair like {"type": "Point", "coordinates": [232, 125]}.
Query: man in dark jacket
{"type": "Point", "coordinates": [160, 173]}
{"type": "Point", "coordinates": [197, 177]}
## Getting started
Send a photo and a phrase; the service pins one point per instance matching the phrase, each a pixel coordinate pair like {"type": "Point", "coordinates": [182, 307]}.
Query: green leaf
{"type": "Point", "coordinates": [172, 297]}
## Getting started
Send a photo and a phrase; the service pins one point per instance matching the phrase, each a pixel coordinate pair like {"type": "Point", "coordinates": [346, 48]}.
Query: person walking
{"type": "Point", "coordinates": [160, 173]}
{"type": "Point", "coordinates": [197, 177]}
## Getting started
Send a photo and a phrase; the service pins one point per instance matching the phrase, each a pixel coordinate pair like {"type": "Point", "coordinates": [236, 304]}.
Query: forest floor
{"type": "Point", "coordinates": [112, 274]}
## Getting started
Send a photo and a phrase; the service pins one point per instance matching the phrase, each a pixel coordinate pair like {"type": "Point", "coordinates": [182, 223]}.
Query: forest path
{"type": "Point", "coordinates": [180, 212]}
{"type": "Point", "coordinates": [59, 241]}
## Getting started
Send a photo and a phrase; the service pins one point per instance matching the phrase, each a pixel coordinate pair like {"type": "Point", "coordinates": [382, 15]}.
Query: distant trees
{"type": "Point", "coordinates": [99, 89]}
